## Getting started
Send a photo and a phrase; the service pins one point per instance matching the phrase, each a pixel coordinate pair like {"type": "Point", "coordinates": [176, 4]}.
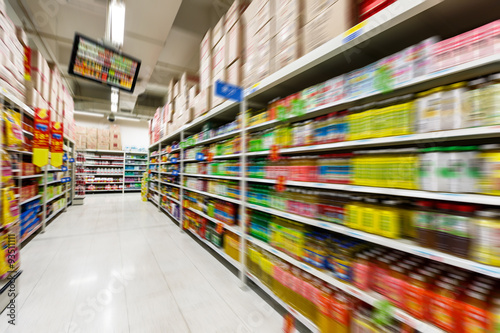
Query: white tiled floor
{"type": "Point", "coordinates": [116, 264]}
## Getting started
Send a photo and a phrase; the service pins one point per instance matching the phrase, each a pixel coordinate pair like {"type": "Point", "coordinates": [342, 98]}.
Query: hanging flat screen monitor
{"type": "Point", "coordinates": [94, 61]}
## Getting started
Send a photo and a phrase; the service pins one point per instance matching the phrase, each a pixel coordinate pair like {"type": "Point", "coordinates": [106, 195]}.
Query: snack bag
{"type": "Point", "coordinates": [13, 130]}
{"type": "Point", "coordinates": [6, 177]}
{"type": "Point", "coordinates": [10, 209]}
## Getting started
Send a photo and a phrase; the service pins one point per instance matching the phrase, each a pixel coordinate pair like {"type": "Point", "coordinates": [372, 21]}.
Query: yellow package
{"type": "Point", "coordinates": [10, 209]}
{"type": "Point", "coordinates": [6, 171]}
{"type": "Point", "coordinates": [13, 130]}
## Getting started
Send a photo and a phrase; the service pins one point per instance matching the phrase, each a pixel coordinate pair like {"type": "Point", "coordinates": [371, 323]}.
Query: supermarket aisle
{"type": "Point", "coordinates": [116, 264]}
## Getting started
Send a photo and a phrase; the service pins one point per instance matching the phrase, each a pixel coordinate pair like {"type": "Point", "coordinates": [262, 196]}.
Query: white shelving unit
{"type": "Point", "coordinates": [382, 35]}
{"type": "Point", "coordinates": [124, 161]}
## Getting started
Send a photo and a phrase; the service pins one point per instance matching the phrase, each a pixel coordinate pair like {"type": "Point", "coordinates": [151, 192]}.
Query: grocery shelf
{"type": "Point", "coordinates": [30, 199]}
{"type": "Point", "coordinates": [236, 201]}
{"type": "Point", "coordinates": [104, 174]}
{"type": "Point", "coordinates": [104, 159]}
{"type": "Point", "coordinates": [104, 166]}
{"type": "Point", "coordinates": [212, 176]}
{"type": "Point", "coordinates": [167, 183]}
{"type": "Point", "coordinates": [456, 197]}
{"type": "Point", "coordinates": [102, 183]}
{"type": "Point", "coordinates": [232, 228]}
{"type": "Point", "coordinates": [133, 189]}
{"type": "Point", "coordinates": [35, 229]}
{"type": "Point", "coordinates": [136, 159]}
{"type": "Point", "coordinates": [128, 164]}
{"type": "Point", "coordinates": [219, 251]}
{"type": "Point", "coordinates": [223, 157]}
{"type": "Point", "coordinates": [54, 182]}
{"type": "Point", "coordinates": [104, 151]}
{"type": "Point", "coordinates": [56, 170]}
{"type": "Point", "coordinates": [57, 196]}
{"type": "Point", "coordinates": [297, 315]}
{"type": "Point", "coordinates": [26, 109]}
{"type": "Point", "coordinates": [170, 198]}
{"type": "Point", "coordinates": [27, 132]}
{"type": "Point", "coordinates": [28, 177]}
{"type": "Point", "coordinates": [398, 244]}
{"type": "Point", "coordinates": [153, 190]}
{"type": "Point", "coordinates": [87, 190]}
{"type": "Point", "coordinates": [132, 182]}
{"type": "Point", "coordinates": [216, 138]}
{"type": "Point", "coordinates": [432, 137]}
{"type": "Point", "coordinates": [169, 214]}
{"type": "Point", "coordinates": [367, 297]}
{"type": "Point", "coordinates": [18, 151]}
{"type": "Point", "coordinates": [54, 214]}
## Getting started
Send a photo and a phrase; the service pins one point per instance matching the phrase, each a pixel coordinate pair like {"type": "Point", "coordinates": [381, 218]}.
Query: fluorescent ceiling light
{"type": "Point", "coordinates": [127, 118]}
{"type": "Point", "coordinates": [117, 21]}
{"type": "Point", "coordinates": [92, 114]}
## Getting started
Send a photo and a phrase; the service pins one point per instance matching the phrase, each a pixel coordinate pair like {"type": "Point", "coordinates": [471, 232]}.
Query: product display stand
{"type": "Point", "coordinates": [390, 28]}
{"type": "Point", "coordinates": [126, 169]}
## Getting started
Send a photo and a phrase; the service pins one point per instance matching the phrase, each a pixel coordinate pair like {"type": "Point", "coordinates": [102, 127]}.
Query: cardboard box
{"type": "Point", "coordinates": [265, 15]}
{"type": "Point", "coordinates": [115, 145]}
{"type": "Point", "coordinates": [234, 12]}
{"type": "Point", "coordinates": [289, 35]}
{"type": "Point", "coordinates": [219, 57]}
{"type": "Point", "coordinates": [337, 19]}
{"type": "Point", "coordinates": [103, 145]}
{"type": "Point", "coordinates": [215, 99]}
{"type": "Point", "coordinates": [234, 41]}
{"type": "Point", "coordinates": [188, 80]}
{"type": "Point", "coordinates": [203, 102]}
{"type": "Point", "coordinates": [205, 72]}
{"type": "Point", "coordinates": [81, 130]}
{"type": "Point", "coordinates": [103, 135]}
{"type": "Point", "coordinates": [193, 92]}
{"type": "Point", "coordinates": [287, 56]}
{"type": "Point", "coordinates": [289, 11]}
{"type": "Point", "coordinates": [171, 85]}
{"type": "Point", "coordinates": [313, 8]}
{"type": "Point", "coordinates": [234, 73]}
{"type": "Point", "coordinates": [218, 31]}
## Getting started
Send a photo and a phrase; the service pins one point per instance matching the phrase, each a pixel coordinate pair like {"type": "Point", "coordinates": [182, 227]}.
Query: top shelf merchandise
{"type": "Point", "coordinates": [375, 155]}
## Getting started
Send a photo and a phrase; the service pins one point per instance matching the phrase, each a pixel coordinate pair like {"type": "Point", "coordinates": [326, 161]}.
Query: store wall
{"type": "Point", "coordinates": [133, 133]}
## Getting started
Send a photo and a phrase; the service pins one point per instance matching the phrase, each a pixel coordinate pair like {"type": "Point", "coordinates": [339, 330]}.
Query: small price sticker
{"type": "Point", "coordinates": [210, 156]}
{"type": "Point", "coordinates": [275, 153]}
{"type": "Point", "coordinates": [280, 184]}
{"type": "Point", "coordinates": [220, 228]}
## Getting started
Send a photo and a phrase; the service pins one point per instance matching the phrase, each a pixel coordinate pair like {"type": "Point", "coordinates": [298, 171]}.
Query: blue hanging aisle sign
{"type": "Point", "coordinates": [228, 91]}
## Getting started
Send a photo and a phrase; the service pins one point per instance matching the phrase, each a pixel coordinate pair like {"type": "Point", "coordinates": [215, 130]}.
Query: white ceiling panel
{"type": "Point", "coordinates": [182, 49]}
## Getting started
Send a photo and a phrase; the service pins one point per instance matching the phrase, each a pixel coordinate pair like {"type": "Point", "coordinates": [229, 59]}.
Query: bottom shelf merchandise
{"type": "Point", "coordinates": [108, 187]}
{"type": "Point", "coordinates": [30, 217]}
{"type": "Point", "coordinates": [213, 233]}
{"type": "Point", "coordinates": [55, 207]}
{"type": "Point", "coordinates": [171, 208]}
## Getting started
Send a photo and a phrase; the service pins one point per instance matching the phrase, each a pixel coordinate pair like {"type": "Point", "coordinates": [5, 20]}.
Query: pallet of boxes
{"type": "Point", "coordinates": [92, 138]}
{"type": "Point", "coordinates": [81, 138]}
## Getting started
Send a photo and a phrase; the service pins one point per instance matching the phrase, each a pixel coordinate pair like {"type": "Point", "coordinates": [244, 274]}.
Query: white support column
{"type": "Point", "coordinates": [181, 182]}
{"type": "Point", "coordinates": [123, 173]}
{"type": "Point", "coordinates": [243, 191]}
{"type": "Point", "coordinates": [158, 179]}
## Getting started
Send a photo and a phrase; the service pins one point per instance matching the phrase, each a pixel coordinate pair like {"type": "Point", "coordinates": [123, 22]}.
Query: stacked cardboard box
{"type": "Point", "coordinates": [12, 57]}
{"type": "Point", "coordinates": [91, 138]}
{"type": "Point", "coordinates": [234, 41]}
{"type": "Point", "coordinates": [81, 137]}
{"type": "Point", "coordinates": [260, 48]}
{"type": "Point", "coordinates": [103, 139]}
{"type": "Point", "coordinates": [205, 70]}
{"type": "Point", "coordinates": [288, 37]}
{"type": "Point", "coordinates": [325, 20]}
{"type": "Point", "coordinates": [115, 138]}
{"type": "Point", "coordinates": [218, 59]}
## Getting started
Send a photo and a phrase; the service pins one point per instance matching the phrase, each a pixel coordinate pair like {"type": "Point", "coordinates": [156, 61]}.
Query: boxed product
{"type": "Point", "coordinates": [203, 102]}
{"type": "Point", "coordinates": [287, 12]}
{"type": "Point", "coordinates": [336, 19]}
{"type": "Point", "coordinates": [188, 81]}
{"type": "Point", "coordinates": [218, 31]}
{"type": "Point", "coordinates": [234, 42]}
{"type": "Point", "coordinates": [206, 60]}
{"type": "Point", "coordinates": [287, 55]}
{"type": "Point", "coordinates": [234, 73]}
{"type": "Point", "coordinates": [219, 57]}
{"type": "Point", "coordinates": [288, 36]}
{"type": "Point", "coordinates": [234, 12]}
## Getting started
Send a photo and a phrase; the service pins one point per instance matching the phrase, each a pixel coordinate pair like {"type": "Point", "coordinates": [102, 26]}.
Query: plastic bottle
{"type": "Point", "coordinates": [423, 218]}
{"type": "Point", "coordinates": [389, 220]}
{"type": "Point", "coordinates": [489, 157]}
{"type": "Point", "coordinates": [461, 230]}
{"type": "Point", "coordinates": [370, 215]}
{"type": "Point", "coordinates": [475, 315]}
{"type": "Point", "coordinates": [444, 221]}
{"type": "Point", "coordinates": [491, 100]}
{"type": "Point", "coordinates": [487, 244]}
{"type": "Point", "coordinates": [475, 114]}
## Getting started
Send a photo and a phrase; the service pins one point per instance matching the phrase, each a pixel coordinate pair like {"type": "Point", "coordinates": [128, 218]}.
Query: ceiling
{"type": "Point", "coordinates": [164, 34]}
